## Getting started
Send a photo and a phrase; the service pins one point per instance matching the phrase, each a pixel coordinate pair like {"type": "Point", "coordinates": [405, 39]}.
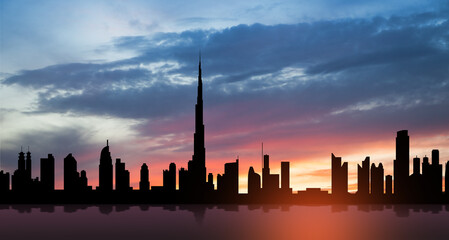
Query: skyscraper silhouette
{"type": "Point", "coordinates": [20, 180]}
{"type": "Point", "coordinates": [285, 178]}
{"type": "Point", "coordinates": [377, 180]}
{"type": "Point", "coordinates": [71, 176]}
{"type": "Point", "coordinates": [416, 179]}
{"type": "Point", "coordinates": [198, 166]}
{"type": "Point", "coordinates": [446, 179]}
{"type": "Point", "coordinates": [121, 176]}
{"type": "Point", "coordinates": [401, 163]}
{"type": "Point", "coordinates": [253, 182]}
{"type": "Point", "coordinates": [436, 174]}
{"type": "Point", "coordinates": [84, 181]}
{"type": "Point", "coordinates": [144, 184]}
{"type": "Point", "coordinates": [105, 169]}
{"type": "Point", "coordinates": [169, 178]}
{"type": "Point", "coordinates": [270, 182]}
{"type": "Point", "coordinates": [48, 173]}
{"type": "Point", "coordinates": [28, 165]}
{"type": "Point", "coordinates": [194, 180]}
{"type": "Point", "coordinates": [339, 176]}
{"type": "Point", "coordinates": [183, 179]}
{"type": "Point", "coordinates": [228, 183]}
{"type": "Point", "coordinates": [389, 185]}
{"type": "Point", "coordinates": [363, 178]}
{"type": "Point", "coordinates": [4, 181]}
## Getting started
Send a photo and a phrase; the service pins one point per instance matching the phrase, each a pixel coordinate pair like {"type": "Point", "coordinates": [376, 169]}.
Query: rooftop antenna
{"type": "Point", "coordinates": [21, 148]}
{"type": "Point", "coordinates": [107, 142]}
{"type": "Point", "coordinates": [28, 148]}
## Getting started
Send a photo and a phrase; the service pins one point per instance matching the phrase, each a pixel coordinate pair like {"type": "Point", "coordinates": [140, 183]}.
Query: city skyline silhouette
{"type": "Point", "coordinates": [224, 120]}
{"type": "Point", "coordinates": [195, 185]}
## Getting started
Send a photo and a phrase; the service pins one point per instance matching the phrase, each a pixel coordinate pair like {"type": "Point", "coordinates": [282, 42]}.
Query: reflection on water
{"type": "Point", "coordinates": [224, 221]}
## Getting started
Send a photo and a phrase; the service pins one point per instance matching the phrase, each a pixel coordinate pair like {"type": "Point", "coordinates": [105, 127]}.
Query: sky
{"type": "Point", "coordinates": [306, 78]}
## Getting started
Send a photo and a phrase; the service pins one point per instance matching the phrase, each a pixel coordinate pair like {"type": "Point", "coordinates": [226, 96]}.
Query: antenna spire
{"type": "Point", "coordinates": [107, 142]}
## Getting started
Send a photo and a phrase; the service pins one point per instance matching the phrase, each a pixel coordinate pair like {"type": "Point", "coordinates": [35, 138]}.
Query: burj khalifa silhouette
{"type": "Point", "coordinates": [196, 186]}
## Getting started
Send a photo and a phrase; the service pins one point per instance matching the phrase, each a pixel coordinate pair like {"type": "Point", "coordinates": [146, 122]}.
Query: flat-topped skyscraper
{"type": "Point", "coordinates": [401, 163]}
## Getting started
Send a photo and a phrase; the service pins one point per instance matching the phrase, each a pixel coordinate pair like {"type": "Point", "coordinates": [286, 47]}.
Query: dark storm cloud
{"type": "Point", "coordinates": [395, 63]}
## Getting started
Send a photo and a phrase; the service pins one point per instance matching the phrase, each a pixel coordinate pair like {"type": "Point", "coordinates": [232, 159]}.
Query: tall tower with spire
{"type": "Point", "coordinates": [197, 166]}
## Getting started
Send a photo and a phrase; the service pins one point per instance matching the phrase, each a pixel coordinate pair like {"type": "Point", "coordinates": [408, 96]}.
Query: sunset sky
{"type": "Point", "coordinates": [306, 78]}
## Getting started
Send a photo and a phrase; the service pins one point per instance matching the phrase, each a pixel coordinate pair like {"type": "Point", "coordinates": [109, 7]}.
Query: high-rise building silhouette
{"type": "Point", "coordinates": [401, 163]}
{"type": "Point", "coordinates": [169, 178]}
{"type": "Point", "coordinates": [436, 178]}
{"type": "Point", "coordinates": [339, 176]}
{"type": "Point", "coordinates": [28, 166]}
{"type": "Point", "coordinates": [377, 180]}
{"type": "Point", "coordinates": [194, 180]}
{"type": "Point", "coordinates": [270, 182]}
{"type": "Point", "coordinates": [70, 173]}
{"type": "Point", "coordinates": [228, 183]}
{"type": "Point", "coordinates": [183, 179]}
{"type": "Point", "coordinates": [420, 187]}
{"type": "Point", "coordinates": [144, 184]}
{"type": "Point", "coordinates": [285, 178]}
{"type": "Point", "coordinates": [389, 185]}
{"type": "Point", "coordinates": [84, 181]}
{"type": "Point", "coordinates": [20, 180]}
{"type": "Point", "coordinates": [416, 166]}
{"type": "Point", "coordinates": [198, 166]}
{"type": "Point", "coordinates": [73, 182]}
{"type": "Point", "coordinates": [48, 173]}
{"type": "Point", "coordinates": [363, 177]}
{"type": "Point", "coordinates": [121, 176]}
{"type": "Point", "coordinates": [253, 182]}
{"type": "Point", "coordinates": [210, 181]}
{"type": "Point", "coordinates": [105, 169]}
{"type": "Point", "coordinates": [4, 181]}
{"type": "Point", "coordinates": [426, 177]}
{"type": "Point", "coordinates": [446, 179]}
{"type": "Point", "coordinates": [416, 179]}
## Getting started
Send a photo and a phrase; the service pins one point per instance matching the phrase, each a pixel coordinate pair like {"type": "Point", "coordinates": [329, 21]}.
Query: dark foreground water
{"type": "Point", "coordinates": [224, 222]}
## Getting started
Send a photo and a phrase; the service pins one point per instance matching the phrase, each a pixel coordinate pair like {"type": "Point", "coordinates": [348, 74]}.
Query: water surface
{"type": "Point", "coordinates": [224, 222]}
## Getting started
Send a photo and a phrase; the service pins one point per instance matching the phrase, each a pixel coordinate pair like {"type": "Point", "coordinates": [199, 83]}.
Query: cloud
{"type": "Point", "coordinates": [343, 74]}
